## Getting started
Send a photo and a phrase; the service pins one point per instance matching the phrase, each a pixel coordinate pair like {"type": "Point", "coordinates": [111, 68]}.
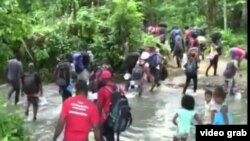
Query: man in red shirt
{"type": "Point", "coordinates": [104, 102]}
{"type": "Point", "coordinates": [79, 116]}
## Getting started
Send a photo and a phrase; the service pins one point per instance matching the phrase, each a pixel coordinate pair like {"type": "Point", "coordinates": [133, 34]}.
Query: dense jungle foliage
{"type": "Point", "coordinates": [11, 124]}
{"type": "Point", "coordinates": [42, 30]}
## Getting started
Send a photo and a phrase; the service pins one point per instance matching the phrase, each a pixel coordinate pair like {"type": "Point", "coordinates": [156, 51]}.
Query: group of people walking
{"type": "Point", "coordinates": [110, 112]}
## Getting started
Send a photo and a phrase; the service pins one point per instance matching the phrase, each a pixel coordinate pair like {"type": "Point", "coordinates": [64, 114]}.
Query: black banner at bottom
{"type": "Point", "coordinates": [222, 132]}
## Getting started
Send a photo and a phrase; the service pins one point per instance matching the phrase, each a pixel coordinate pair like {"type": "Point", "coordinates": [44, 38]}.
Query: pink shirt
{"type": "Point", "coordinates": [237, 52]}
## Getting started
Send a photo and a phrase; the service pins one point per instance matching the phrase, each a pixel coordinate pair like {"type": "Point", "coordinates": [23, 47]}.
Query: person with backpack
{"type": "Point", "coordinates": [202, 45]}
{"type": "Point", "coordinates": [81, 62]}
{"type": "Point", "coordinates": [175, 31]}
{"type": "Point", "coordinates": [193, 40]}
{"type": "Point", "coordinates": [178, 50]}
{"type": "Point", "coordinates": [191, 72]}
{"type": "Point", "coordinates": [14, 74]}
{"type": "Point", "coordinates": [113, 107]}
{"type": "Point", "coordinates": [229, 73]}
{"type": "Point", "coordinates": [31, 86]}
{"type": "Point", "coordinates": [143, 61]}
{"type": "Point", "coordinates": [63, 78]}
{"type": "Point", "coordinates": [139, 74]}
{"type": "Point", "coordinates": [155, 65]}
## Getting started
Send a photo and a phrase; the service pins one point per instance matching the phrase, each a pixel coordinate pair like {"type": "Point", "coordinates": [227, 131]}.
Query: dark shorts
{"type": "Point", "coordinates": [34, 100]}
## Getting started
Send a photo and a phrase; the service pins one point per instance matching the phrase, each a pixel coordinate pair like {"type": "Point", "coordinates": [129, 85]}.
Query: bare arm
{"type": "Point", "coordinates": [147, 70]}
{"type": "Point", "coordinates": [59, 128]}
{"type": "Point", "coordinates": [198, 119]}
{"type": "Point", "coordinates": [99, 107]}
{"type": "Point", "coordinates": [97, 133]}
{"type": "Point", "coordinates": [236, 65]}
{"type": "Point", "coordinates": [224, 111]}
{"type": "Point", "coordinates": [212, 115]}
{"type": "Point", "coordinates": [95, 121]}
{"type": "Point", "coordinates": [175, 118]}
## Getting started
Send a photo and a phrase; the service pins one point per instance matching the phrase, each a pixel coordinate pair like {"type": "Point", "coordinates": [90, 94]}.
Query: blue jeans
{"type": "Point", "coordinates": [65, 93]}
{"type": "Point", "coordinates": [232, 55]}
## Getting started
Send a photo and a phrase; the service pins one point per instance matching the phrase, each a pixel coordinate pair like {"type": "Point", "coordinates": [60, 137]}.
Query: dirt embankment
{"type": "Point", "coordinates": [177, 77]}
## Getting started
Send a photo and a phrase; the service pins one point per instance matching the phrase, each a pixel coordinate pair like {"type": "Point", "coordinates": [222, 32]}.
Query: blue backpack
{"type": "Point", "coordinates": [219, 120]}
{"type": "Point", "coordinates": [78, 62]}
{"type": "Point", "coordinates": [154, 60]}
{"type": "Point", "coordinates": [176, 32]}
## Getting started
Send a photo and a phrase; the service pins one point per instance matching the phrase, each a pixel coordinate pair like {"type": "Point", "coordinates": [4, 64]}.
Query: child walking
{"type": "Point", "coordinates": [185, 115]}
{"type": "Point", "coordinates": [208, 102]}
{"type": "Point", "coordinates": [219, 109]}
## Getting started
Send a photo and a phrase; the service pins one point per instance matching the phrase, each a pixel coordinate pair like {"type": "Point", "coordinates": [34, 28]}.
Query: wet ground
{"type": "Point", "coordinates": [152, 113]}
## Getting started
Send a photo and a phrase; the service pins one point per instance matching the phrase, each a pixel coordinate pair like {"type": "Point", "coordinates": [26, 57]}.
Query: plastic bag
{"type": "Point", "coordinates": [42, 101]}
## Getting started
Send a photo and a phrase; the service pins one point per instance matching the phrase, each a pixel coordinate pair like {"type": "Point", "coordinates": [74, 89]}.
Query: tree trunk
{"type": "Point", "coordinates": [74, 9]}
{"type": "Point", "coordinates": [244, 16]}
{"type": "Point", "coordinates": [211, 13]}
{"type": "Point", "coordinates": [225, 13]}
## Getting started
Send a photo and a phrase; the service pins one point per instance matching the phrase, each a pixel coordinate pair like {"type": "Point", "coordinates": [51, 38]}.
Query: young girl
{"type": "Point", "coordinates": [219, 109]}
{"type": "Point", "coordinates": [185, 116]}
{"type": "Point", "coordinates": [208, 99]}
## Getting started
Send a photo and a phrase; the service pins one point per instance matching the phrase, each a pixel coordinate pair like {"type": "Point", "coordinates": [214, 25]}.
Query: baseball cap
{"type": "Point", "coordinates": [106, 75]}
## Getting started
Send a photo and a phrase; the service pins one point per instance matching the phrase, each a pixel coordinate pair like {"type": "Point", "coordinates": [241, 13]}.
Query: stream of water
{"type": "Point", "coordinates": [152, 114]}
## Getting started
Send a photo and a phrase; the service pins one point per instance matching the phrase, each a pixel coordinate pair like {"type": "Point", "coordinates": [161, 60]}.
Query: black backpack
{"type": "Point", "coordinates": [191, 67]}
{"type": "Point", "coordinates": [120, 117]}
{"type": "Point", "coordinates": [215, 37]}
{"type": "Point", "coordinates": [62, 73]}
{"type": "Point", "coordinates": [30, 85]}
{"type": "Point", "coordinates": [138, 72]}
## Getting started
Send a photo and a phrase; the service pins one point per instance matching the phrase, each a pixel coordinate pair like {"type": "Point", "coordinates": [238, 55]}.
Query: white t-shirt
{"type": "Point", "coordinates": [201, 39]}
{"type": "Point", "coordinates": [72, 67]}
{"type": "Point", "coordinates": [217, 107]}
{"type": "Point", "coordinates": [146, 64]}
{"type": "Point", "coordinates": [207, 115]}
